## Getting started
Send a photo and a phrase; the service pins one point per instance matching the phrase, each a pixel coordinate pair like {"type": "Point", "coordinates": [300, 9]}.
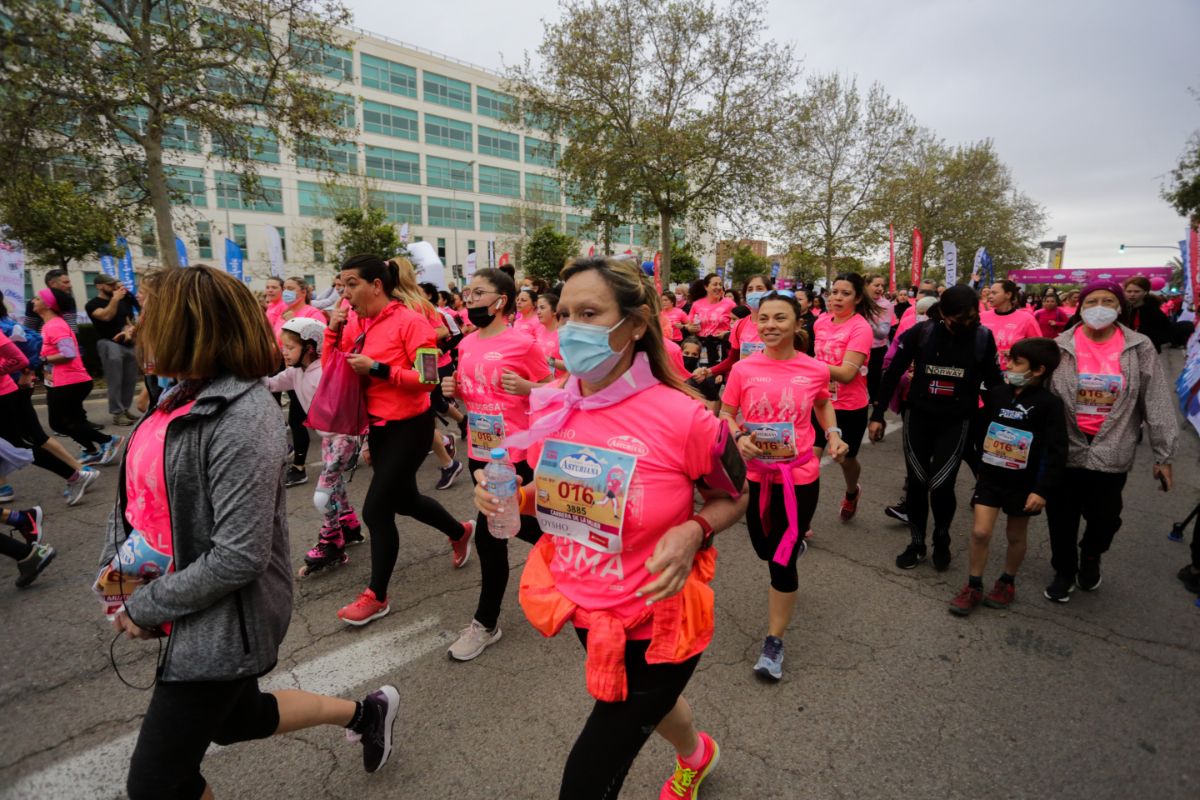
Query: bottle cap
{"type": "Point", "coordinates": [498, 454]}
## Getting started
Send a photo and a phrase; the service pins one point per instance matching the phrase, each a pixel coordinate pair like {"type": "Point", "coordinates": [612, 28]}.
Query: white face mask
{"type": "Point", "coordinates": [1099, 317]}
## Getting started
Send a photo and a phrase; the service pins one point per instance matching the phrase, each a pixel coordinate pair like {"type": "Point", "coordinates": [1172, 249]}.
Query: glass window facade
{"type": "Point", "coordinates": [318, 246]}
{"type": "Point", "coordinates": [341, 158]}
{"type": "Point", "coordinates": [501, 144]}
{"type": "Point", "coordinates": [389, 76]}
{"type": "Point", "coordinates": [389, 120]}
{"type": "Point", "coordinates": [448, 132]}
{"type": "Point", "coordinates": [579, 226]}
{"type": "Point", "coordinates": [449, 174]}
{"type": "Point", "coordinates": [458, 214]}
{"type": "Point", "coordinates": [496, 105]}
{"type": "Point", "coordinates": [239, 237]}
{"type": "Point", "coordinates": [149, 241]}
{"type": "Point", "coordinates": [188, 183]}
{"type": "Point", "coordinates": [268, 197]}
{"type": "Point", "coordinates": [542, 189]}
{"type": "Point", "coordinates": [398, 207]}
{"type": "Point", "coordinates": [497, 219]}
{"type": "Point", "coordinates": [447, 91]}
{"type": "Point", "coordinates": [259, 144]}
{"type": "Point", "coordinates": [204, 239]}
{"type": "Point", "coordinates": [499, 181]}
{"type": "Point", "coordinates": [541, 152]}
{"type": "Point", "coordinates": [393, 165]}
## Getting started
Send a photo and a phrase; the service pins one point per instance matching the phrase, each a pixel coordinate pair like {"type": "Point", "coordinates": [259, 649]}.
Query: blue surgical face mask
{"type": "Point", "coordinates": [1016, 379]}
{"type": "Point", "coordinates": [288, 296]}
{"type": "Point", "coordinates": [586, 351]}
{"type": "Point", "coordinates": [754, 298]}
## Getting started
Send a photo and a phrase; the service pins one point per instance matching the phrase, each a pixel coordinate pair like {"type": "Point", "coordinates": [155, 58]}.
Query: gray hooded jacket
{"type": "Point", "coordinates": [1147, 397]}
{"type": "Point", "coordinates": [229, 598]}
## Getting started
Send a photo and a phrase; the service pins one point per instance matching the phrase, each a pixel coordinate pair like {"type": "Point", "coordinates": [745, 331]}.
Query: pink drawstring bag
{"type": "Point", "coordinates": [339, 405]}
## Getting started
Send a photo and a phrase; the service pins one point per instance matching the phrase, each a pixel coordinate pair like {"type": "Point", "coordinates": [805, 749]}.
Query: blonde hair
{"type": "Point", "coordinates": [407, 291]}
{"type": "Point", "coordinates": [202, 323]}
{"type": "Point", "coordinates": [639, 301]}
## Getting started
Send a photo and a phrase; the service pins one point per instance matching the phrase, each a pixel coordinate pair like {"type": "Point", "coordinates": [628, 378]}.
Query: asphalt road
{"type": "Point", "coordinates": [885, 694]}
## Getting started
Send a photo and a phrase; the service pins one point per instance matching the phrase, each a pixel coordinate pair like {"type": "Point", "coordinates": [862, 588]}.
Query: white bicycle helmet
{"type": "Point", "coordinates": [309, 330]}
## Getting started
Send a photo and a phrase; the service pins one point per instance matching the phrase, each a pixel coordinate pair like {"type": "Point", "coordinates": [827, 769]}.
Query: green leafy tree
{"type": "Point", "coordinates": [746, 264]}
{"type": "Point", "coordinates": [841, 147]}
{"type": "Point", "coordinates": [679, 120]}
{"type": "Point", "coordinates": [546, 252]}
{"type": "Point", "coordinates": [127, 87]}
{"type": "Point", "coordinates": [365, 230]}
{"type": "Point", "coordinates": [685, 267]}
{"type": "Point", "coordinates": [56, 222]}
{"type": "Point", "coordinates": [1183, 192]}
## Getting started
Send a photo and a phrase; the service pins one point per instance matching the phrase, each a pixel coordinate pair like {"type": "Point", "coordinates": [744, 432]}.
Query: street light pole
{"type": "Point", "coordinates": [1125, 247]}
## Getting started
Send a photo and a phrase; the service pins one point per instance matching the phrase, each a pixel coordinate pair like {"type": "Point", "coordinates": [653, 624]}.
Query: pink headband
{"type": "Point", "coordinates": [48, 298]}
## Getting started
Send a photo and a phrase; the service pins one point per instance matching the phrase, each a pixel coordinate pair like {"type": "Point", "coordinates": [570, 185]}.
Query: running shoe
{"type": "Point", "coordinates": [379, 719]}
{"type": "Point", "coordinates": [295, 476]}
{"type": "Point", "coordinates": [462, 547]}
{"type": "Point", "coordinates": [365, 608]}
{"type": "Point", "coordinates": [449, 473]}
{"type": "Point", "coordinates": [121, 420]}
{"type": "Point", "coordinates": [685, 783]}
{"type": "Point", "coordinates": [770, 662]}
{"type": "Point", "coordinates": [1088, 578]}
{"type": "Point", "coordinates": [7, 495]}
{"type": "Point", "coordinates": [32, 565]}
{"type": "Point", "coordinates": [32, 527]}
{"type": "Point", "coordinates": [110, 450]}
{"type": "Point", "coordinates": [1001, 596]}
{"type": "Point", "coordinates": [913, 554]}
{"type": "Point", "coordinates": [850, 505]}
{"type": "Point", "coordinates": [77, 488]}
{"type": "Point", "coordinates": [473, 640]}
{"type": "Point", "coordinates": [966, 601]}
{"type": "Point", "coordinates": [1059, 590]}
{"type": "Point", "coordinates": [1191, 580]}
{"type": "Point", "coordinates": [87, 457]}
{"type": "Point", "coordinates": [898, 512]}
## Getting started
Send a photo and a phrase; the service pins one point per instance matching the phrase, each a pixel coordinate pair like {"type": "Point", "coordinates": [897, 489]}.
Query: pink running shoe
{"type": "Point", "coordinates": [366, 608]}
{"type": "Point", "coordinates": [685, 783]}
{"type": "Point", "coordinates": [462, 547]}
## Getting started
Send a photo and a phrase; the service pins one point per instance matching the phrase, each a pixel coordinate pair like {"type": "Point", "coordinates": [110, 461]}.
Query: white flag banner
{"type": "Point", "coordinates": [491, 254]}
{"type": "Point", "coordinates": [12, 277]}
{"type": "Point", "coordinates": [950, 249]}
{"type": "Point", "coordinates": [428, 266]}
{"type": "Point", "coordinates": [469, 268]}
{"type": "Point", "coordinates": [404, 233]}
{"type": "Point", "coordinates": [275, 252]}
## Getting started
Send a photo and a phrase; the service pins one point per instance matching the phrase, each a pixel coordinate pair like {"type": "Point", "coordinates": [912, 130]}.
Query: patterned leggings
{"type": "Point", "coordinates": [338, 454]}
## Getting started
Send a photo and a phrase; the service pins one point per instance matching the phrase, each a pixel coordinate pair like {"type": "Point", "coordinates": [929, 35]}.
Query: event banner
{"type": "Point", "coordinates": [469, 267]}
{"type": "Point", "coordinates": [918, 257]}
{"type": "Point", "coordinates": [181, 250]}
{"type": "Point", "coordinates": [108, 264]}
{"type": "Point", "coordinates": [950, 251]}
{"type": "Point", "coordinates": [12, 276]}
{"type": "Point", "coordinates": [233, 260]}
{"type": "Point", "coordinates": [1082, 276]}
{"type": "Point", "coordinates": [1193, 264]}
{"type": "Point", "coordinates": [125, 266]}
{"type": "Point", "coordinates": [275, 251]}
{"type": "Point", "coordinates": [1187, 386]}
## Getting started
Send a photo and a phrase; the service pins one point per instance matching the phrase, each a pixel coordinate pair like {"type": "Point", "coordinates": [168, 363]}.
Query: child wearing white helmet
{"type": "Point", "coordinates": [300, 342]}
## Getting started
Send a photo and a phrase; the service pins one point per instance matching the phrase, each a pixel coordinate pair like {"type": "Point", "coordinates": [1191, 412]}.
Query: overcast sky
{"type": "Point", "coordinates": [1087, 101]}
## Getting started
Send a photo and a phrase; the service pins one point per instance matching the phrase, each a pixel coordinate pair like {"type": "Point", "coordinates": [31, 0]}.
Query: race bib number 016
{"type": "Point", "coordinates": [1006, 447]}
{"type": "Point", "coordinates": [777, 440]}
{"type": "Point", "coordinates": [1097, 393]}
{"type": "Point", "coordinates": [581, 493]}
{"type": "Point", "coordinates": [486, 431]}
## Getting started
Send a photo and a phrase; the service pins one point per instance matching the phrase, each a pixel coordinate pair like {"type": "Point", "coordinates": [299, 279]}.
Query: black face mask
{"type": "Point", "coordinates": [480, 317]}
{"type": "Point", "coordinates": [691, 363]}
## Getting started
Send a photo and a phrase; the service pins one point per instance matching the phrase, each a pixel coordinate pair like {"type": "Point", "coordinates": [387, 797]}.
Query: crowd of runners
{"type": "Point", "coordinates": [640, 425]}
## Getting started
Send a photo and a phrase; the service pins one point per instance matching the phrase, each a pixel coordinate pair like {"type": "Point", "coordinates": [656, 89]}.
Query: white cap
{"type": "Point", "coordinates": [307, 329]}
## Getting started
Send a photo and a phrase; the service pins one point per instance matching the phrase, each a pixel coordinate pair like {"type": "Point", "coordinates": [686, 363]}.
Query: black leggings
{"type": "Point", "coordinates": [296, 417]}
{"type": "Point", "coordinates": [615, 732]}
{"type": "Point", "coordinates": [875, 371]}
{"type": "Point", "coordinates": [933, 450]}
{"type": "Point", "coordinates": [20, 427]}
{"type": "Point", "coordinates": [493, 553]}
{"type": "Point", "coordinates": [783, 578]}
{"type": "Point", "coordinates": [715, 347]}
{"type": "Point", "coordinates": [1095, 498]}
{"type": "Point", "coordinates": [182, 721]}
{"type": "Point", "coordinates": [64, 406]}
{"type": "Point", "coordinates": [397, 449]}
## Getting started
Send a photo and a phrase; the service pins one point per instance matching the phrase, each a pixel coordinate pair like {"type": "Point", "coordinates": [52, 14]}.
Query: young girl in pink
{"type": "Point", "coordinates": [844, 338]}
{"type": "Point", "coordinates": [777, 394]}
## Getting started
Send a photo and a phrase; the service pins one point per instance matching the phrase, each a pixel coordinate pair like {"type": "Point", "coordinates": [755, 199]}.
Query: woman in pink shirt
{"type": "Point", "coordinates": [673, 318]}
{"type": "Point", "coordinates": [547, 311]}
{"type": "Point", "coordinates": [1007, 321]}
{"type": "Point", "coordinates": [1050, 317]}
{"type": "Point", "coordinates": [67, 380]}
{"type": "Point", "coordinates": [633, 581]}
{"type": "Point", "coordinates": [526, 320]}
{"type": "Point", "coordinates": [274, 296]}
{"type": "Point", "coordinates": [844, 338]}
{"type": "Point", "coordinates": [498, 366]}
{"type": "Point", "coordinates": [778, 392]}
{"type": "Point", "coordinates": [712, 318]}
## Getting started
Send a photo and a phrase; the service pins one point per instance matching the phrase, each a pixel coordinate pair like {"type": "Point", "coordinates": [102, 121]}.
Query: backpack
{"type": "Point", "coordinates": [27, 341]}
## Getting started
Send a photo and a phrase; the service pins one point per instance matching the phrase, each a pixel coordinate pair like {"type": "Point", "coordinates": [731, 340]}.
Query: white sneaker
{"type": "Point", "coordinates": [76, 490]}
{"type": "Point", "coordinates": [473, 640]}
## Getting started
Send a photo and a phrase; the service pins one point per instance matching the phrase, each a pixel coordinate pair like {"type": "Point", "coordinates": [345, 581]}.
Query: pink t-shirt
{"type": "Point", "coordinates": [670, 319]}
{"type": "Point", "coordinates": [494, 414]}
{"type": "Point", "coordinates": [275, 309]}
{"type": "Point", "coordinates": [56, 336]}
{"type": "Point", "coordinates": [1100, 378]}
{"type": "Point", "coordinates": [744, 337]}
{"type": "Point", "coordinates": [305, 312]}
{"type": "Point", "coordinates": [1008, 329]}
{"type": "Point", "coordinates": [671, 436]}
{"type": "Point", "coordinates": [782, 393]}
{"type": "Point", "coordinates": [675, 355]}
{"type": "Point", "coordinates": [1052, 323]}
{"type": "Point", "coordinates": [527, 324]}
{"type": "Point", "coordinates": [714, 318]}
{"type": "Point", "coordinates": [146, 479]}
{"type": "Point", "coordinates": [11, 359]}
{"type": "Point", "coordinates": [548, 341]}
{"type": "Point", "coordinates": [833, 341]}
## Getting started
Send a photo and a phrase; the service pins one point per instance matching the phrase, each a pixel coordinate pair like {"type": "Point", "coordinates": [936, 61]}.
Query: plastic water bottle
{"type": "Point", "coordinates": [501, 481]}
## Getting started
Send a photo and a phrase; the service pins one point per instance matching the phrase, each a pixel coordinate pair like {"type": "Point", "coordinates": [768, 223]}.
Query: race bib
{"type": "Point", "coordinates": [1097, 393]}
{"type": "Point", "coordinates": [581, 493]}
{"type": "Point", "coordinates": [748, 349]}
{"type": "Point", "coordinates": [777, 440]}
{"type": "Point", "coordinates": [1006, 447]}
{"type": "Point", "coordinates": [486, 431]}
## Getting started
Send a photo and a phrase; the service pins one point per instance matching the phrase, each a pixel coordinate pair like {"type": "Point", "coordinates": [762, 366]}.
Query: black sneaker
{"type": "Point", "coordinates": [1088, 578]}
{"type": "Point", "coordinates": [379, 717]}
{"type": "Point", "coordinates": [941, 554]}
{"type": "Point", "coordinates": [449, 473]}
{"type": "Point", "coordinates": [32, 565]}
{"type": "Point", "coordinates": [1059, 590]}
{"type": "Point", "coordinates": [1191, 580]}
{"type": "Point", "coordinates": [913, 554]}
{"type": "Point", "coordinates": [898, 512]}
{"type": "Point", "coordinates": [295, 476]}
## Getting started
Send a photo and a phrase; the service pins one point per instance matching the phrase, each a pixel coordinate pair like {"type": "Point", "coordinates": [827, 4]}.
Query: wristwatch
{"type": "Point", "coordinates": [737, 437]}
{"type": "Point", "coordinates": [707, 529]}
{"type": "Point", "coordinates": [834, 429]}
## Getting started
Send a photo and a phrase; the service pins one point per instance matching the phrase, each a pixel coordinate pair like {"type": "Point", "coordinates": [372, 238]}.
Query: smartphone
{"type": "Point", "coordinates": [427, 358]}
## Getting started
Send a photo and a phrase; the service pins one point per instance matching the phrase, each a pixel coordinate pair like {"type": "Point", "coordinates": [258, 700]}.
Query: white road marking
{"type": "Point", "coordinates": [99, 772]}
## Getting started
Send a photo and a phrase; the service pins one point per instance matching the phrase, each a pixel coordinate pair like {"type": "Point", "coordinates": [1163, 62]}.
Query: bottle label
{"type": "Point", "coordinates": [502, 487]}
